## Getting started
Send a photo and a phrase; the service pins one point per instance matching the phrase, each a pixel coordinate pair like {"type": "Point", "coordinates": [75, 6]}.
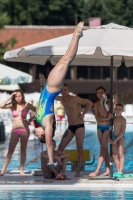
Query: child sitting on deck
{"type": "Point", "coordinates": [57, 173]}
{"type": "Point", "coordinates": [118, 138]}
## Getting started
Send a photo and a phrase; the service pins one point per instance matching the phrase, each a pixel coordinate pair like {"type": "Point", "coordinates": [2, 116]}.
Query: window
{"type": "Point", "coordinates": [122, 71]}
{"type": "Point", "coordinates": [82, 72]}
{"type": "Point", "coordinates": [95, 72]}
{"type": "Point", "coordinates": [106, 72]}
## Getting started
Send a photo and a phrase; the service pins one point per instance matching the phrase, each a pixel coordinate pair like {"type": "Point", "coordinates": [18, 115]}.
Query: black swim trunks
{"type": "Point", "coordinates": [73, 128]}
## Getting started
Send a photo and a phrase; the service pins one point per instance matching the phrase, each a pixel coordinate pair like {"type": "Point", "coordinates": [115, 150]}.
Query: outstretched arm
{"type": "Point", "coordinates": [31, 107]}
{"type": "Point", "coordinates": [32, 113]}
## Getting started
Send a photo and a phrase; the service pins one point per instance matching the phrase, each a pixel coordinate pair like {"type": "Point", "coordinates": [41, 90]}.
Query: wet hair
{"type": "Point", "coordinates": [14, 102]}
{"type": "Point", "coordinates": [120, 104]}
{"type": "Point", "coordinates": [65, 85]}
{"type": "Point", "coordinates": [100, 87]}
{"type": "Point", "coordinates": [42, 139]}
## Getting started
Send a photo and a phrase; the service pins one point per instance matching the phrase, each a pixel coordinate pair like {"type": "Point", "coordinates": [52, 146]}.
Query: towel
{"type": "Point", "coordinates": [120, 175]}
{"type": "Point", "coordinates": [106, 102]}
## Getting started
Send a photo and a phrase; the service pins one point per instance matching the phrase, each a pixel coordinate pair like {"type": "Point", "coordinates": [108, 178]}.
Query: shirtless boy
{"type": "Point", "coordinates": [72, 105]}
{"type": "Point", "coordinates": [102, 116]}
{"type": "Point", "coordinates": [118, 140]}
{"type": "Point", "coordinates": [60, 170]}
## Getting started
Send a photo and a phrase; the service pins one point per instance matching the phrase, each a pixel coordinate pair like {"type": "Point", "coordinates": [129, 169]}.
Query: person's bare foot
{"type": "Point", "coordinates": [22, 173]}
{"type": "Point", "coordinates": [79, 29]}
{"type": "Point", "coordinates": [94, 173]}
{"type": "Point", "coordinates": [105, 174]}
{"type": "Point", "coordinates": [2, 174]}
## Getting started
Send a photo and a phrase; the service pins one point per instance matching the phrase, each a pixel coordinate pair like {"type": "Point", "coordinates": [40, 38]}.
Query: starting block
{"type": "Point", "coordinates": [73, 158]}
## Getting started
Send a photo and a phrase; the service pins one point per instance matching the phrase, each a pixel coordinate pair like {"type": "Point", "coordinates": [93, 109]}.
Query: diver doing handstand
{"type": "Point", "coordinates": [53, 87]}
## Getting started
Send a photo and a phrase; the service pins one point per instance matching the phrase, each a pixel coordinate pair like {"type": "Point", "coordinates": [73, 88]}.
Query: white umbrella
{"type": "Point", "coordinates": [9, 87]}
{"type": "Point", "coordinates": [95, 48]}
{"type": "Point", "coordinates": [10, 77]}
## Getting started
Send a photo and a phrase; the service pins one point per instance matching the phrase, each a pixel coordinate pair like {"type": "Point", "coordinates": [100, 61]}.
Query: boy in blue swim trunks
{"type": "Point", "coordinates": [118, 139]}
{"type": "Point", "coordinates": [102, 115]}
{"type": "Point", "coordinates": [53, 87]}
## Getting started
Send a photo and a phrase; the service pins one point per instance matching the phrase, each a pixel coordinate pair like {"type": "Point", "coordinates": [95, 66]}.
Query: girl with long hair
{"type": "Point", "coordinates": [20, 129]}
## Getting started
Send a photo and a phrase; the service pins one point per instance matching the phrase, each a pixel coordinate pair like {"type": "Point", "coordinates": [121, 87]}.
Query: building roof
{"type": "Point", "coordinates": [26, 35]}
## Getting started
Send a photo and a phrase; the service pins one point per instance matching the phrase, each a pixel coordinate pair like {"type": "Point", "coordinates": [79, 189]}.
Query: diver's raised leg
{"type": "Point", "coordinates": [58, 73]}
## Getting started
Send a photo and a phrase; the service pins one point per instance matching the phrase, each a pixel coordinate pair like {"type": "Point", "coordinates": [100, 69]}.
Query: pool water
{"type": "Point", "coordinates": [66, 195]}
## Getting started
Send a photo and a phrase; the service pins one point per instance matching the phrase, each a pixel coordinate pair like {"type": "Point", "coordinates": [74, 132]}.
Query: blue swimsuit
{"type": "Point", "coordinates": [45, 104]}
{"type": "Point", "coordinates": [102, 128]}
{"type": "Point", "coordinates": [115, 136]}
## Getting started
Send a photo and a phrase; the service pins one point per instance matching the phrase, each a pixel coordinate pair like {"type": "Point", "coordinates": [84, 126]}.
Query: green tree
{"type": "Point", "coordinates": [117, 11]}
{"type": "Point", "coordinates": [26, 12]}
{"type": "Point", "coordinates": [67, 12]}
{"type": "Point", "coordinates": [43, 12]}
{"type": "Point", "coordinates": [4, 19]}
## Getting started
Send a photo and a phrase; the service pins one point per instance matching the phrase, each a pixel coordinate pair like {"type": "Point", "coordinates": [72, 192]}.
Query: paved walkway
{"type": "Point", "coordinates": [30, 182]}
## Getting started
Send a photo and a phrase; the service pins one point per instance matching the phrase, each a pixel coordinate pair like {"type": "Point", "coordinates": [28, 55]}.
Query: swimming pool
{"type": "Point", "coordinates": [89, 193]}
{"type": "Point", "coordinates": [66, 195]}
{"type": "Point", "coordinates": [91, 142]}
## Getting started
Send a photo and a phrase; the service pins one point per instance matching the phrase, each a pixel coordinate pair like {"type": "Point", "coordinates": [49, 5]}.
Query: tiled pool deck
{"type": "Point", "coordinates": [13, 181]}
